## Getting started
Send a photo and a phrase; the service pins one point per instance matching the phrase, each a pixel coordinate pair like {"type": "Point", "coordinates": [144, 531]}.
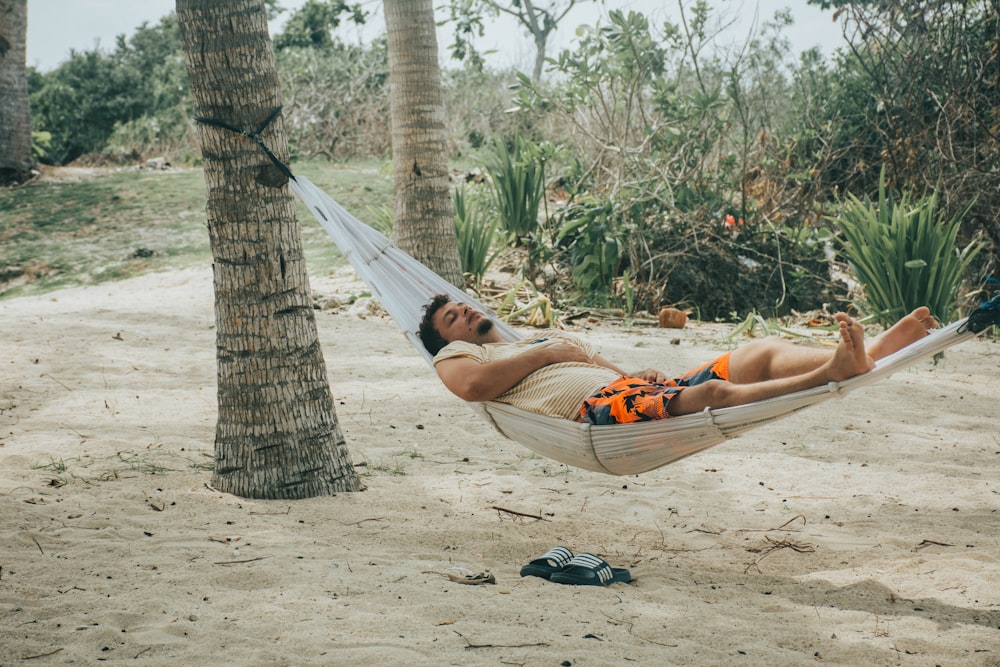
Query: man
{"type": "Point", "coordinates": [559, 375]}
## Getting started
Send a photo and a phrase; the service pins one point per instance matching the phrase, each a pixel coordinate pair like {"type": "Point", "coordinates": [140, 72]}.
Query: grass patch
{"type": "Point", "coordinates": [121, 464]}
{"type": "Point", "coordinates": [56, 234]}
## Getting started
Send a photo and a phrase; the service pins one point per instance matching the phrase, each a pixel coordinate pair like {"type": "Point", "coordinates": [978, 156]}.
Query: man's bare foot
{"type": "Point", "coordinates": [908, 330]}
{"type": "Point", "coordinates": [850, 358]}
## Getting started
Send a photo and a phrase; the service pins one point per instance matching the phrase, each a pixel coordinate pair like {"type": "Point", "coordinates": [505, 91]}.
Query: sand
{"type": "Point", "coordinates": [861, 532]}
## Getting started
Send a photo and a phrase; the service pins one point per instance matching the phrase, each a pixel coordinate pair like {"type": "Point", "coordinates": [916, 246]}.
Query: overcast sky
{"type": "Point", "coordinates": [57, 26]}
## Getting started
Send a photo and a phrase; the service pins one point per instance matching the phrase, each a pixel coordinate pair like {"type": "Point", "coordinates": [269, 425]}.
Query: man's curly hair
{"type": "Point", "coordinates": [429, 336]}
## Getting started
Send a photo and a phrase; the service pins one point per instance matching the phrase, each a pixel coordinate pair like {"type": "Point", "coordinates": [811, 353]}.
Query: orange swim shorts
{"type": "Point", "coordinates": [628, 399]}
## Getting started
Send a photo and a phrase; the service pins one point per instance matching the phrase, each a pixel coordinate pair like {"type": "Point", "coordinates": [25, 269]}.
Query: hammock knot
{"type": "Point", "coordinates": [983, 317]}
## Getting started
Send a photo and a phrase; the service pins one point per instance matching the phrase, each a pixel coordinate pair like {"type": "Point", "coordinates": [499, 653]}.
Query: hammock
{"type": "Point", "coordinates": [403, 286]}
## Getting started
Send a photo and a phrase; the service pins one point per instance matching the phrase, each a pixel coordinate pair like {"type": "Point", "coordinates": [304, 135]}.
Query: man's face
{"type": "Point", "coordinates": [460, 321]}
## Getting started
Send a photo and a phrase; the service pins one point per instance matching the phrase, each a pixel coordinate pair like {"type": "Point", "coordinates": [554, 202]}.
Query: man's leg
{"type": "Point", "coordinates": [848, 359]}
{"type": "Point", "coordinates": [773, 358]}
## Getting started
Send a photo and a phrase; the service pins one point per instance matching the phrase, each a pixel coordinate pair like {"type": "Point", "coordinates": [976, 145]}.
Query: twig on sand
{"type": "Point", "coordinates": [237, 562]}
{"type": "Point", "coordinates": [470, 645]}
{"type": "Point", "coordinates": [630, 628]}
{"type": "Point", "coordinates": [774, 545]}
{"type": "Point", "coordinates": [46, 375]}
{"type": "Point", "coordinates": [927, 543]}
{"type": "Point", "coordinates": [515, 513]}
{"type": "Point", "coordinates": [35, 540]}
{"type": "Point", "coordinates": [42, 655]}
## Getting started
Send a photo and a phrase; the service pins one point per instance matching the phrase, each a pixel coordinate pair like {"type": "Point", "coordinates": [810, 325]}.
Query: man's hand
{"type": "Point", "coordinates": [564, 352]}
{"type": "Point", "coordinates": [650, 375]}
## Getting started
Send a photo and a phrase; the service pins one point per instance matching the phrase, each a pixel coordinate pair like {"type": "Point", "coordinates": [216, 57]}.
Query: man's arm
{"type": "Point", "coordinates": [601, 361]}
{"type": "Point", "coordinates": [648, 374]}
{"type": "Point", "coordinates": [473, 381]}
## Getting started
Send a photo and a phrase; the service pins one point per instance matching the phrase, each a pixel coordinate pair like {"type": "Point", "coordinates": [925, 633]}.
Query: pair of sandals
{"type": "Point", "coordinates": [558, 564]}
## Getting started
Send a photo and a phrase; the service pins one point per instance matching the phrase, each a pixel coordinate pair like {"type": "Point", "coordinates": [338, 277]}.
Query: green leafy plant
{"type": "Point", "coordinates": [476, 230]}
{"type": "Point", "coordinates": [903, 255]}
{"type": "Point", "coordinates": [518, 180]}
{"type": "Point", "coordinates": [41, 141]}
{"type": "Point", "coordinates": [628, 295]}
{"type": "Point", "coordinates": [594, 241]}
{"type": "Point", "coordinates": [381, 218]}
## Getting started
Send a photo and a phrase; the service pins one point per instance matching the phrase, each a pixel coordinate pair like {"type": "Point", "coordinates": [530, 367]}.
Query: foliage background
{"type": "Point", "coordinates": [694, 173]}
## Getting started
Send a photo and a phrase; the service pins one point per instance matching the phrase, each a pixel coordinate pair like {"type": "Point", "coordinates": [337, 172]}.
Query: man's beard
{"type": "Point", "coordinates": [484, 327]}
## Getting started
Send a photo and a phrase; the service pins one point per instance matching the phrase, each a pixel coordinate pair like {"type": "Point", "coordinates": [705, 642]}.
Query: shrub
{"type": "Point", "coordinates": [475, 229]}
{"type": "Point", "coordinates": [518, 182]}
{"type": "Point", "coordinates": [336, 100]}
{"type": "Point", "coordinates": [903, 255]}
{"type": "Point", "coordinates": [82, 101]}
{"type": "Point", "coordinates": [592, 235]}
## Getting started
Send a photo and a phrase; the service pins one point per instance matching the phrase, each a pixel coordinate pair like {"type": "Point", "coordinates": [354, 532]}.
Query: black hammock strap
{"type": "Point", "coordinates": [252, 134]}
{"type": "Point", "coordinates": [986, 315]}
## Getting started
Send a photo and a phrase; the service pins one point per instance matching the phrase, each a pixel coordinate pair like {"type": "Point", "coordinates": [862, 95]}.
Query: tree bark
{"type": "Point", "coordinates": [424, 218]}
{"type": "Point", "coordinates": [16, 161]}
{"type": "Point", "coordinates": [277, 434]}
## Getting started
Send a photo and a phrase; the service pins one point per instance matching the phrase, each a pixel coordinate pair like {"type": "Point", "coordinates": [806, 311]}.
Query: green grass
{"type": "Point", "coordinates": [118, 225]}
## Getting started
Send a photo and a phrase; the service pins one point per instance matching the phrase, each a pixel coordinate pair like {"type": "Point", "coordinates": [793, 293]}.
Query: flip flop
{"type": "Point", "coordinates": [589, 570]}
{"type": "Point", "coordinates": [547, 564]}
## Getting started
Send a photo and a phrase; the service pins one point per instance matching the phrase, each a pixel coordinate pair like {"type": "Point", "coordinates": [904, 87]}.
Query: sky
{"type": "Point", "coordinates": [57, 26]}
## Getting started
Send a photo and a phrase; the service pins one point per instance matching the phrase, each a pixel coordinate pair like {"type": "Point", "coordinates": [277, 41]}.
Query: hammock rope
{"type": "Point", "coordinates": [403, 286]}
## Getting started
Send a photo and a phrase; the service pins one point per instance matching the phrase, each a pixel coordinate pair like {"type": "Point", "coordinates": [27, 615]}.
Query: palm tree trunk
{"type": "Point", "coordinates": [16, 161]}
{"type": "Point", "coordinates": [424, 219]}
{"type": "Point", "coordinates": [277, 435]}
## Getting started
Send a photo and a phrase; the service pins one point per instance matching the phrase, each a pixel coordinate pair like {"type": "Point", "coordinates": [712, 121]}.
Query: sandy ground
{"type": "Point", "coordinates": [861, 532]}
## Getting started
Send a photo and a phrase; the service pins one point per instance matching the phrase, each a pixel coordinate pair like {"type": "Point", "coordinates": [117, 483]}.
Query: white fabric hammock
{"type": "Point", "coordinates": [403, 286]}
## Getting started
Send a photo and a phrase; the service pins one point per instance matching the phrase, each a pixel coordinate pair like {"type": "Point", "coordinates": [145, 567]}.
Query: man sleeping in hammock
{"type": "Point", "coordinates": [560, 375]}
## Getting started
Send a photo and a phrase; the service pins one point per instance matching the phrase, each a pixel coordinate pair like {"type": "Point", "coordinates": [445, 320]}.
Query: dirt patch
{"type": "Point", "coordinates": [70, 174]}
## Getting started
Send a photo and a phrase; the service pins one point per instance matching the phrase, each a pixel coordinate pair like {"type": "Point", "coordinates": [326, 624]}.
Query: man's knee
{"type": "Point", "coordinates": [711, 393]}
{"type": "Point", "coordinates": [753, 361]}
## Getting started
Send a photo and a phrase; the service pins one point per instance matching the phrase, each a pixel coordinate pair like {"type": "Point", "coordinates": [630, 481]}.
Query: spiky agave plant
{"type": "Point", "coordinates": [476, 230]}
{"type": "Point", "coordinates": [903, 255]}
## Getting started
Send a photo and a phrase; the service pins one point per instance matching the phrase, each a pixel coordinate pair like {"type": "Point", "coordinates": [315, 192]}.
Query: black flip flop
{"type": "Point", "coordinates": [590, 570]}
{"type": "Point", "coordinates": [547, 564]}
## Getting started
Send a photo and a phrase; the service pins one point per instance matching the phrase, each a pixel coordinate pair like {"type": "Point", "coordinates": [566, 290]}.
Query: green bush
{"type": "Point", "coordinates": [168, 133]}
{"type": "Point", "coordinates": [593, 236]}
{"type": "Point", "coordinates": [475, 229]}
{"type": "Point", "coordinates": [40, 144]}
{"type": "Point", "coordinates": [518, 181]}
{"type": "Point", "coordinates": [336, 100]}
{"type": "Point", "coordinates": [903, 255]}
{"type": "Point", "coordinates": [81, 102]}
{"type": "Point", "coordinates": [726, 271]}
